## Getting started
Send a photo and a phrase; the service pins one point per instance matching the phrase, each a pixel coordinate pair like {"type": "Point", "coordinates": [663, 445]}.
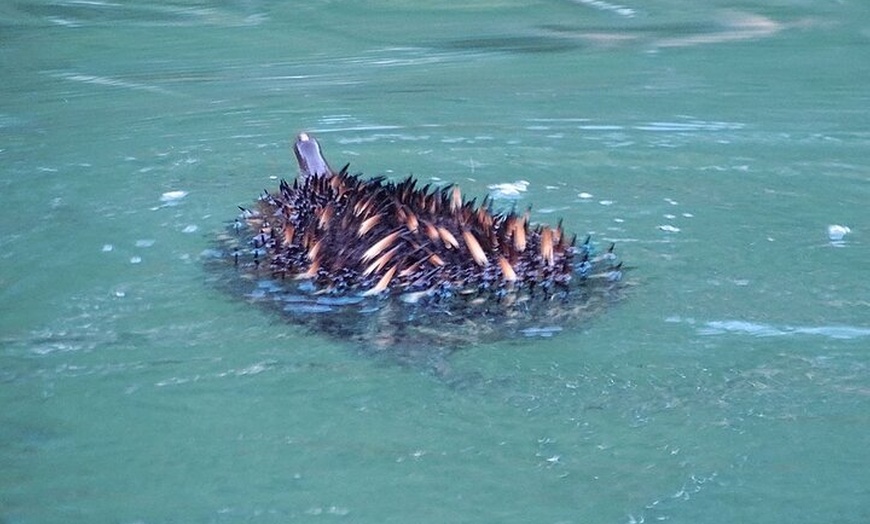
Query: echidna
{"type": "Point", "coordinates": [349, 235]}
{"type": "Point", "coordinates": [411, 273]}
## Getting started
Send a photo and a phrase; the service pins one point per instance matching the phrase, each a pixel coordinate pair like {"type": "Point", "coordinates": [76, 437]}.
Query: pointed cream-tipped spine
{"type": "Point", "coordinates": [379, 246]}
{"type": "Point", "coordinates": [382, 284]}
{"type": "Point", "coordinates": [474, 248]}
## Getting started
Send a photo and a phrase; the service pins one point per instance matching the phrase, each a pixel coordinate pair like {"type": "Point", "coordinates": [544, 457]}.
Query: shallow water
{"type": "Point", "coordinates": [715, 145]}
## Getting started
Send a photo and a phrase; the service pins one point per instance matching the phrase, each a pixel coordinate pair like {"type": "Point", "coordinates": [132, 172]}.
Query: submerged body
{"type": "Point", "coordinates": [413, 273]}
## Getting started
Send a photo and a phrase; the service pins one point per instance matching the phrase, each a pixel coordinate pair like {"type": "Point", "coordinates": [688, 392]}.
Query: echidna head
{"type": "Point", "coordinates": [309, 157]}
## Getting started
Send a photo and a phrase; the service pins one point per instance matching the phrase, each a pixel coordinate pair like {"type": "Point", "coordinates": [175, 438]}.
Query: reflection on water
{"type": "Point", "coordinates": [77, 14]}
{"type": "Point", "coordinates": [111, 82]}
{"type": "Point", "coordinates": [727, 26]}
{"type": "Point", "coordinates": [520, 44]}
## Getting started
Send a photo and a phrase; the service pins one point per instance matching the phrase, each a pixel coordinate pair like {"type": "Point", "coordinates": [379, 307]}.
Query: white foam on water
{"type": "Point", "coordinates": [836, 232]}
{"type": "Point", "coordinates": [545, 332]}
{"type": "Point", "coordinates": [508, 190]}
{"type": "Point", "coordinates": [173, 196]}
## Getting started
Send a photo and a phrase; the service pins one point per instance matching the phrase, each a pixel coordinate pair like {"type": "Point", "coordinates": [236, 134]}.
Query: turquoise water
{"type": "Point", "coordinates": [714, 144]}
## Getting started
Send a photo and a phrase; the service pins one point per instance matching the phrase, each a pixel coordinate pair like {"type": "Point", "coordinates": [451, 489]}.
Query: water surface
{"type": "Point", "coordinates": [714, 144]}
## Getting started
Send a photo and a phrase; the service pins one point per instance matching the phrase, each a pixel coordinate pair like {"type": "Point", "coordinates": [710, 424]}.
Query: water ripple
{"type": "Point", "coordinates": [720, 327]}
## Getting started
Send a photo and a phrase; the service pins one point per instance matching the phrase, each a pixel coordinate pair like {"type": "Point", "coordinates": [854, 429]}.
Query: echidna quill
{"type": "Point", "coordinates": [330, 239]}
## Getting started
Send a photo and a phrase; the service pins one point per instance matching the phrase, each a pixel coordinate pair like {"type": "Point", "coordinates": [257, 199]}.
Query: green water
{"type": "Point", "coordinates": [715, 144]}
